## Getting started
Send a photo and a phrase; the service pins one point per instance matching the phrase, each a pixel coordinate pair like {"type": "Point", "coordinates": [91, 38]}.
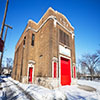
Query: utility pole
{"type": "Point", "coordinates": [3, 23]}
{"type": "Point", "coordinates": [2, 29]}
{"type": "Point", "coordinates": [7, 26]}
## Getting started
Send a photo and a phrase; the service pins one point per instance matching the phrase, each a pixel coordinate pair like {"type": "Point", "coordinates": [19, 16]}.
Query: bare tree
{"type": "Point", "coordinates": [90, 62]}
{"type": "Point", "coordinates": [98, 52]}
{"type": "Point", "coordinates": [9, 63]}
{"type": "Point", "coordinates": [98, 69]}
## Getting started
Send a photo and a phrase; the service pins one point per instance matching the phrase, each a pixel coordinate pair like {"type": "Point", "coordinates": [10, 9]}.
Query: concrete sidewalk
{"type": "Point", "coordinates": [86, 88]}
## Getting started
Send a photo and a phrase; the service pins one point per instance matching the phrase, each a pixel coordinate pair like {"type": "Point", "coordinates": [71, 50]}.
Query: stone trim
{"type": "Point", "coordinates": [55, 21]}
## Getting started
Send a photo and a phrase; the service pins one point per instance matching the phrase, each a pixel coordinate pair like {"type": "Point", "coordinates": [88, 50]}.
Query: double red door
{"type": "Point", "coordinates": [65, 71]}
{"type": "Point", "coordinates": [30, 74]}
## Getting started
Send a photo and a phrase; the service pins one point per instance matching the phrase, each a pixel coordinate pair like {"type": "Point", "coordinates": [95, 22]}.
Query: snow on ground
{"type": "Point", "coordinates": [61, 93]}
{"type": "Point", "coordinates": [11, 92]}
{"type": "Point", "coordinates": [93, 84]}
{"type": "Point", "coordinates": [70, 92]}
{"type": "Point", "coordinates": [74, 93]}
{"type": "Point", "coordinates": [37, 92]}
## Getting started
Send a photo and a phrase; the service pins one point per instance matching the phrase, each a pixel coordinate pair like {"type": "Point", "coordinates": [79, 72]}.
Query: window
{"type": "Point", "coordinates": [24, 40]}
{"type": "Point", "coordinates": [61, 36]}
{"type": "Point", "coordinates": [33, 37]}
{"type": "Point", "coordinates": [64, 38]}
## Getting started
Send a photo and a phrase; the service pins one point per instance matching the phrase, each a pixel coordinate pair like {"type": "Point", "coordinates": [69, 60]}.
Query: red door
{"type": "Point", "coordinates": [30, 74]}
{"type": "Point", "coordinates": [74, 72]}
{"type": "Point", "coordinates": [55, 69]}
{"type": "Point", "coordinates": [65, 71]}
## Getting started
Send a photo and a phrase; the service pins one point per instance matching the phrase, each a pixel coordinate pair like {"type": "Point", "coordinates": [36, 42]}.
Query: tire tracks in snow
{"type": "Point", "coordinates": [26, 93]}
{"type": "Point", "coordinates": [8, 93]}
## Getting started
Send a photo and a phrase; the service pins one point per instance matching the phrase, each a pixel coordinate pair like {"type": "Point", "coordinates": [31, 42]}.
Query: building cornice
{"type": "Point", "coordinates": [55, 22]}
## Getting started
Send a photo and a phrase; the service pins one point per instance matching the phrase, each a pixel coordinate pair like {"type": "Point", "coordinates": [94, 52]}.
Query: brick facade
{"type": "Point", "coordinates": [45, 50]}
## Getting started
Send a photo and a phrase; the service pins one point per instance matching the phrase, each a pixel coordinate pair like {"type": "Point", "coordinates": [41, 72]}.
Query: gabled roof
{"type": "Point", "coordinates": [49, 12]}
{"type": "Point", "coordinates": [56, 13]}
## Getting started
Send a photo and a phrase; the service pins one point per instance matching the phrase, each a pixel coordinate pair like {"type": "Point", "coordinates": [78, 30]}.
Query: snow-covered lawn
{"type": "Point", "coordinates": [61, 93]}
{"type": "Point", "coordinates": [93, 84]}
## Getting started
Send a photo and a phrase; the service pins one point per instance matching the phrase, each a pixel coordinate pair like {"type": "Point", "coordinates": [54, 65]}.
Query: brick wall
{"type": "Point", "coordinates": [46, 46]}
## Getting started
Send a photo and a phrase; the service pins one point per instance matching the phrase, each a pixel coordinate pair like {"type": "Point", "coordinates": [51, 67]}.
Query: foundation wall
{"type": "Point", "coordinates": [49, 82]}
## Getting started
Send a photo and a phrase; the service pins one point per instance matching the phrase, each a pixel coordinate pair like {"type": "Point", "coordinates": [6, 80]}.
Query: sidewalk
{"type": "Point", "coordinates": [86, 88]}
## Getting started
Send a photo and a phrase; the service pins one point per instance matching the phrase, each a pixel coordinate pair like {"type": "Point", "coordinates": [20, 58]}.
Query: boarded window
{"type": "Point", "coordinates": [33, 37]}
{"type": "Point", "coordinates": [64, 38]}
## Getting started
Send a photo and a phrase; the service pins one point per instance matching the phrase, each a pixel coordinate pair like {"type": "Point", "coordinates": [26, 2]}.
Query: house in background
{"type": "Point", "coordinates": [45, 53]}
{"type": "Point", "coordinates": [6, 71]}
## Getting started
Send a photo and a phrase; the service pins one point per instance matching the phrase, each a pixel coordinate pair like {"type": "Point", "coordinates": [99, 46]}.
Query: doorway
{"type": "Point", "coordinates": [30, 74]}
{"type": "Point", "coordinates": [65, 71]}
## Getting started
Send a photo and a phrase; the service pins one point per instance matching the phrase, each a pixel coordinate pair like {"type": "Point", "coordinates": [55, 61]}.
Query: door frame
{"type": "Point", "coordinates": [60, 68]}
{"type": "Point", "coordinates": [30, 66]}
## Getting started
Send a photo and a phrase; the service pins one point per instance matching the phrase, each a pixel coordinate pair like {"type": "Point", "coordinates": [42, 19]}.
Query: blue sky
{"type": "Point", "coordinates": [84, 15]}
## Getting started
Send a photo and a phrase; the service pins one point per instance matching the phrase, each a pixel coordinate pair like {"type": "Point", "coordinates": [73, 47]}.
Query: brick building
{"type": "Point", "coordinates": [45, 52]}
